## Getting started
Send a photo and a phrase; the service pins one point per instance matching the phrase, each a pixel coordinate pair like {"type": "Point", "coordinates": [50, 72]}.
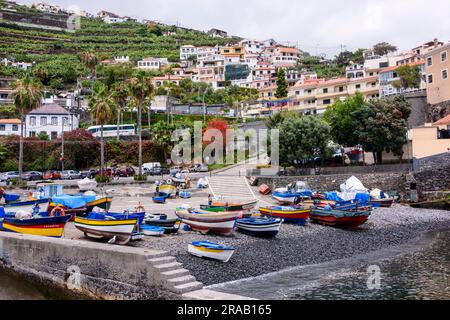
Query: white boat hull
{"type": "Point", "coordinates": [153, 233]}
{"type": "Point", "coordinates": [126, 230]}
{"type": "Point", "coordinates": [221, 255]}
{"type": "Point", "coordinates": [275, 227]}
{"type": "Point", "coordinates": [43, 207]}
{"type": "Point", "coordinates": [225, 227]}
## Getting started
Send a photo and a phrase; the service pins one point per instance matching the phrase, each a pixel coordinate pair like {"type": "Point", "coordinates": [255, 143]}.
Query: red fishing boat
{"type": "Point", "coordinates": [338, 218]}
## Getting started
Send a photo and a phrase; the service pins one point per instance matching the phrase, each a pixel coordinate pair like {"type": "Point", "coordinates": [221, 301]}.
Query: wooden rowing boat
{"type": "Point", "coordinates": [220, 223]}
{"type": "Point", "coordinates": [298, 215]}
{"type": "Point", "coordinates": [260, 227]}
{"type": "Point", "coordinates": [107, 227]}
{"type": "Point", "coordinates": [44, 226]}
{"type": "Point", "coordinates": [349, 219]}
{"type": "Point", "coordinates": [210, 250]}
{"type": "Point", "coordinates": [220, 206]}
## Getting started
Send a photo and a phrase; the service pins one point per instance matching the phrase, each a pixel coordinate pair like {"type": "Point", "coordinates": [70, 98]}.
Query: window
{"type": "Point", "coordinates": [430, 78]}
{"type": "Point", "coordinates": [43, 121]}
{"type": "Point", "coordinates": [32, 121]}
{"type": "Point", "coordinates": [54, 135]}
{"type": "Point", "coordinates": [358, 86]}
{"type": "Point", "coordinates": [327, 101]}
{"type": "Point", "coordinates": [444, 74]}
{"type": "Point", "coordinates": [15, 127]}
{"type": "Point", "coordinates": [444, 56]}
{"type": "Point", "coordinates": [65, 121]}
{"type": "Point", "coordinates": [2, 127]}
{"type": "Point", "coordinates": [429, 61]}
{"type": "Point", "coordinates": [341, 89]}
{"type": "Point", "coordinates": [32, 133]}
{"type": "Point", "coordinates": [325, 90]}
{"type": "Point", "coordinates": [54, 121]}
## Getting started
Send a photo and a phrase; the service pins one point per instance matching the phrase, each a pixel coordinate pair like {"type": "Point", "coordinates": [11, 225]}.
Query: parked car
{"type": "Point", "coordinates": [32, 176]}
{"type": "Point", "coordinates": [8, 176]}
{"type": "Point", "coordinates": [151, 165]}
{"type": "Point", "coordinates": [70, 175]}
{"type": "Point", "coordinates": [155, 171]}
{"type": "Point", "coordinates": [125, 172]}
{"type": "Point", "coordinates": [91, 173]}
{"type": "Point", "coordinates": [199, 168]}
{"type": "Point", "coordinates": [52, 175]}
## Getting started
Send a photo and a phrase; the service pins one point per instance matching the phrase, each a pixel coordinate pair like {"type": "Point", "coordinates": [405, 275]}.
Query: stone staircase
{"type": "Point", "coordinates": [230, 187]}
{"type": "Point", "coordinates": [173, 276]}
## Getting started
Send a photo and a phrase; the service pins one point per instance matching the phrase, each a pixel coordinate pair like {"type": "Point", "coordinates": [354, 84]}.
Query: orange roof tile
{"type": "Point", "coordinates": [10, 121]}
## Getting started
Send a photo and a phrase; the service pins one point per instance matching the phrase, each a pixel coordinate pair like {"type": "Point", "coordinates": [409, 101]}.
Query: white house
{"type": "Point", "coordinates": [10, 127]}
{"type": "Point", "coordinates": [45, 7]}
{"type": "Point", "coordinates": [152, 63]}
{"type": "Point", "coordinates": [50, 119]}
{"type": "Point", "coordinates": [187, 51]}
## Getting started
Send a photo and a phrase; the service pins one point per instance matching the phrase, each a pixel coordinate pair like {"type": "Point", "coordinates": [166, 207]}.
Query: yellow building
{"type": "Point", "coordinates": [431, 139]}
{"type": "Point", "coordinates": [437, 67]}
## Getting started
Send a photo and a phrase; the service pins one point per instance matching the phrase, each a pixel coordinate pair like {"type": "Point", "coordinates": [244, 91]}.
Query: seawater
{"type": "Point", "coordinates": [416, 271]}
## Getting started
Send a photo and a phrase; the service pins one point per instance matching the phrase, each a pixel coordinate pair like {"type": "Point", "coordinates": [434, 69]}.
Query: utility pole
{"type": "Point", "coordinates": [62, 145]}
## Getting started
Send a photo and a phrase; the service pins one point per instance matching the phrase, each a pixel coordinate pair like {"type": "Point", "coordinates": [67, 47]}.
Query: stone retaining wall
{"type": "Point", "coordinates": [89, 269]}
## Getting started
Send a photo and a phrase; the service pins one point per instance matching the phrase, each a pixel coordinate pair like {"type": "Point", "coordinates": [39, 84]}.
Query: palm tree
{"type": "Point", "coordinates": [103, 110]}
{"type": "Point", "coordinates": [141, 88]}
{"type": "Point", "coordinates": [27, 95]}
{"type": "Point", "coordinates": [120, 95]}
{"type": "Point", "coordinates": [91, 61]}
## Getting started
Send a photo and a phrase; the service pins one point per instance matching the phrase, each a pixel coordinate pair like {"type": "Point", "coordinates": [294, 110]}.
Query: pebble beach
{"type": "Point", "coordinates": [293, 246]}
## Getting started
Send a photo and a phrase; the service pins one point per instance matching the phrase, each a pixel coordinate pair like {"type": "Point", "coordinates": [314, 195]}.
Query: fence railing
{"type": "Point", "coordinates": [404, 167]}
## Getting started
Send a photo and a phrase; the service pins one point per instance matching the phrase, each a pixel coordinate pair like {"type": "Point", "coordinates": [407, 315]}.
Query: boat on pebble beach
{"type": "Point", "coordinates": [339, 218]}
{"type": "Point", "coordinates": [161, 221]}
{"type": "Point", "coordinates": [103, 226]}
{"type": "Point", "coordinates": [152, 231]}
{"type": "Point", "coordinates": [298, 215]}
{"type": "Point", "coordinates": [210, 250]}
{"type": "Point", "coordinates": [27, 206]}
{"type": "Point", "coordinates": [221, 206]}
{"type": "Point", "coordinates": [221, 223]}
{"type": "Point", "coordinates": [260, 227]}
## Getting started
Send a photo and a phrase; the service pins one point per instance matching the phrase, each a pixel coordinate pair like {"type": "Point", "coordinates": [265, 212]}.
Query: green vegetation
{"type": "Point", "coordinates": [282, 86]}
{"type": "Point", "coordinates": [410, 77]}
{"type": "Point", "coordinates": [376, 125]}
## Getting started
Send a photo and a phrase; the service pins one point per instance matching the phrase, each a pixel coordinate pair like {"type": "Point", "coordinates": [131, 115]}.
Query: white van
{"type": "Point", "coordinates": [151, 165]}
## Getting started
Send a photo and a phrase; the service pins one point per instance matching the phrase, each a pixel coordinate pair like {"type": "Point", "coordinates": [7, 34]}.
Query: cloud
{"type": "Point", "coordinates": [317, 26]}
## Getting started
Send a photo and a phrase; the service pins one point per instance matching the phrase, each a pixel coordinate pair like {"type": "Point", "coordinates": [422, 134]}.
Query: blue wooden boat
{"type": "Point", "coordinates": [27, 206]}
{"type": "Point", "coordinates": [159, 199]}
{"type": "Point", "coordinates": [118, 216]}
{"type": "Point", "coordinates": [185, 195]}
{"type": "Point", "coordinates": [210, 250]}
{"type": "Point", "coordinates": [260, 227]}
{"type": "Point", "coordinates": [152, 231]}
{"type": "Point", "coordinates": [10, 197]}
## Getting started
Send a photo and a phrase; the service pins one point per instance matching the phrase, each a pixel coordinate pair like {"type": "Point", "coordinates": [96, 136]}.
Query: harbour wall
{"type": "Point", "coordinates": [95, 270]}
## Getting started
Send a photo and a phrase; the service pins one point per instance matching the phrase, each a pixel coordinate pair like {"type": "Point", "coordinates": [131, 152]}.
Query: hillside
{"type": "Point", "coordinates": [59, 49]}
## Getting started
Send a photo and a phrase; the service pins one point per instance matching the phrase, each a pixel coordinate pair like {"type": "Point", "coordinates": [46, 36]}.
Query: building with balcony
{"type": "Point", "coordinates": [152, 63]}
{"type": "Point", "coordinates": [389, 77]}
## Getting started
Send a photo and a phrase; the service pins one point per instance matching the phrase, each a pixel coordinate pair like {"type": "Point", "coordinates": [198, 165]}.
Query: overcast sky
{"type": "Point", "coordinates": [317, 26]}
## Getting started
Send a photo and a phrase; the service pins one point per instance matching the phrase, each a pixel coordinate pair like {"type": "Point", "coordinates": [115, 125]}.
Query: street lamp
{"type": "Point", "coordinates": [204, 107]}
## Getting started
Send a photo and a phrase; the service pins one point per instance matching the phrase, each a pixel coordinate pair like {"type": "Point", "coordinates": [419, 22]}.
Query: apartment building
{"type": "Point", "coordinates": [233, 51]}
{"type": "Point", "coordinates": [187, 51]}
{"type": "Point", "coordinates": [152, 63]}
{"type": "Point", "coordinates": [437, 66]}
{"type": "Point", "coordinates": [212, 69]}
{"type": "Point", "coordinates": [285, 56]}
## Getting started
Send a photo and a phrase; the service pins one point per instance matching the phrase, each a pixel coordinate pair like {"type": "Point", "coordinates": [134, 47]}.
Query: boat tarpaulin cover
{"type": "Point", "coordinates": [73, 202]}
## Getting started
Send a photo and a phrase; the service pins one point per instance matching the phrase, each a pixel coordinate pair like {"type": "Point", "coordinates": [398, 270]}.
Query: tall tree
{"type": "Point", "coordinates": [141, 88]}
{"type": "Point", "coordinates": [383, 48]}
{"type": "Point", "coordinates": [162, 136]}
{"type": "Point", "coordinates": [120, 95]}
{"type": "Point", "coordinates": [27, 95]}
{"type": "Point", "coordinates": [282, 86]}
{"type": "Point", "coordinates": [343, 59]}
{"type": "Point", "coordinates": [302, 139]}
{"type": "Point", "coordinates": [103, 110]}
{"type": "Point", "coordinates": [91, 62]}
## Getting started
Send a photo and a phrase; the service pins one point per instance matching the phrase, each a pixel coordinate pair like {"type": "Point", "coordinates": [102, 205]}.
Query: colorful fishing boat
{"type": "Point", "coordinates": [298, 215]}
{"type": "Point", "coordinates": [152, 231]}
{"type": "Point", "coordinates": [161, 221]}
{"type": "Point", "coordinates": [215, 222]}
{"type": "Point", "coordinates": [100, 202]}
{"type": "Point", "coordinates": [383, 203]}
{"type": "Point", "coordinates": [220, 206]}
{"type": "Point", "coordinates": [206, 249]}
{"type": "Point", "coordinates": [287, 196]}
{"type": "Point", "coordinates": [168, 190]}
{"type": "Point", "coordinates": [260, 227]}
{"type": "Point", "coordinates": [102, 226]}
{"type": "Point", "coordinates": [159, 199]}
{"type": "Point", "coordinates": [10, 197]}
{"type": "Point", "coordinates": [350, 219]}
{"type": "Point", "coordinates": [45, 224]}
{"type": "Point", "coordinates": [27, 206]}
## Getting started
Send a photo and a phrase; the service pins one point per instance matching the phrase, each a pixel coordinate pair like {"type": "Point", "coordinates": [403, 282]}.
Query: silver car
{"type": "Point", "coordinates": [8, 176]}
{"type": "Point", "coordinates": [70, 175]}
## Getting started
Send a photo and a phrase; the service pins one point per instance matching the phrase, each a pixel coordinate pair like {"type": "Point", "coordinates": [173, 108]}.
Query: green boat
{"type": "Point", "coordinates": [229, 207]}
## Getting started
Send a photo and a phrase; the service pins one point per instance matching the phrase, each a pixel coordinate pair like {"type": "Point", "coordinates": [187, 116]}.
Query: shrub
{"type": "Point", "coordinates": [140, 178]}
{"type": "Point", "coordinates": [102, 179]}
{"type": "Point", "coordinates": [10, 165]}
